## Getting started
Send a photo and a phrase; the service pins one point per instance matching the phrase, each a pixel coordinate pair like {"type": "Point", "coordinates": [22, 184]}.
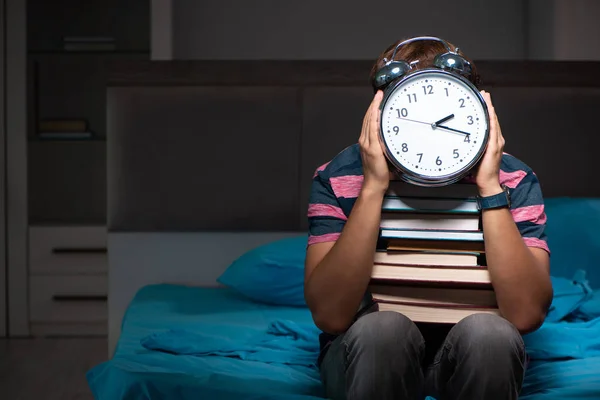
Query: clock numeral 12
{"type": "Point", "coordinates": [428, 89]}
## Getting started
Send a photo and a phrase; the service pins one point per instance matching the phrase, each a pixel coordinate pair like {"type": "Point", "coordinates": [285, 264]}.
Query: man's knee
{"type": "Point", "coordinates": [387, 332]}
{"type": "Point", "coordinates": [486, 360]}
{"type": "Point", "coordinates": [489, 337]}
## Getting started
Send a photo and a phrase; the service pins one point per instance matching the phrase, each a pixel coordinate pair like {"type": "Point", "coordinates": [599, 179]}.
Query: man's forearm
{"type": "Point", "coordinates": [523, 287]}
{"type": "Point", "coordinates": [344, 273]}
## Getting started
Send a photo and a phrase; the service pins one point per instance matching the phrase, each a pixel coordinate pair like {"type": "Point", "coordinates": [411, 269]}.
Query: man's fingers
{"type": "Point", "coordinates": [365, 123]}
{"type": "Point", "coordinates": [497, 123]}
{"type": "Point", "coordinates": [364, 135]}
{"type": "Point", "coordinates": [496, 139]}
{"type": "Point", "coordinates": [367, 126]}
{"type": "Point", "coordinates": [494, 121]}
{"type": "Point", "coordinates": [375, 104]}
{"type": "Point", "coordinates": [374, 119]}
{"type": "Point", "coordinates": [498, 130]}
{"type": "Point", "coordinates": [492, 118]}
{"type": "Point", "coordinates": [361, 138]}
{"type": "Point", "coordinates": [364, 131]}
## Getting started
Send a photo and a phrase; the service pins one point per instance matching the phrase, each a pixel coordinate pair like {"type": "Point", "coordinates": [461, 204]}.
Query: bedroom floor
{"type": "Point", "coordinates": [49, 369]}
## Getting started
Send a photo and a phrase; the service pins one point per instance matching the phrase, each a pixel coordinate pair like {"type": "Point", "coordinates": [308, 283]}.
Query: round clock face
{"type": "Point", "coordinates": [434, 126]}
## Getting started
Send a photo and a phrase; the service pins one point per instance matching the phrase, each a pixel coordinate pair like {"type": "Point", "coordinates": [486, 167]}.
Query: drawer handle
{"type": "Point", "coordinates": [79, 297]}
{"type": "Point", "coordinates": [79, 250]}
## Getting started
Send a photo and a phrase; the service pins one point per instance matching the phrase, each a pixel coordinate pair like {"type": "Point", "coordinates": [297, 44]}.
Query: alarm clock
{"type": "Point", "coordinates": [434, 123]}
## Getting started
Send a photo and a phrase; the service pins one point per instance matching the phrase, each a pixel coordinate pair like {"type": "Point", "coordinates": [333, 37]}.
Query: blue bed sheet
{"type": "Point", "coordinates": [210, 343]}
{"type": "Point", "coordinates": [163, 316]}
{"type": "Point", "coordinates": [565, 350]}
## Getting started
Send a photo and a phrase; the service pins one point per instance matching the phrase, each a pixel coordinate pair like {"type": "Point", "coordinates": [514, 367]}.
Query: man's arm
{"type": "Point", "coordinates": [337, 273]}
{"type": "Point", "coordinates": [520, 274]}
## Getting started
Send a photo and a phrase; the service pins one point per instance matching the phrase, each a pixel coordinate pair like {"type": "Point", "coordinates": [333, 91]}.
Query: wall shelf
{"type": "Point", "coordinates": [67, 176]}
{"type": "Point", "coordinates": [126, 52]}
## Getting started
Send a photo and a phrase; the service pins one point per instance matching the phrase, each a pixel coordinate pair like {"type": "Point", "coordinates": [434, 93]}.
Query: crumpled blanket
{"type": "Point", "coordinates": [565, 350]}
{"type": "Point", "coordinates": [284, 342]}
{"type": "Point", "coordinates": [570, 295]}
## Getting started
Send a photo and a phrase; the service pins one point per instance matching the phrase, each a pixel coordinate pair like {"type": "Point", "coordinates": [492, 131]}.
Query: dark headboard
{"type": "Point", "coordinates": [232, 146]}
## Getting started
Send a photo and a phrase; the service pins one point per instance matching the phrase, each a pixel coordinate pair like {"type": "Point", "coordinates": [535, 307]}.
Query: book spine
{"type": "Point", "coordinates": [454, 306]}
{"type": "Point", "coordinates": [455, 191]}
{"type": "Point", "coordinates": [428, 265]}
{"type": "Point", "coordinates": [431, 234]}
{"type": "Point", "coordinates": [391, 220]}
{"type": "Point", "coordinates": [478, 247]}
{"type": "Point", "coordinates": [65, 135]}
{"type": "Point", "coordinates": [422, 205]}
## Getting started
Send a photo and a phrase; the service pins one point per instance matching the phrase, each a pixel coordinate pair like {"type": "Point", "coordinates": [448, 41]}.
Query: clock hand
{"type": "Point", "coordinates": [453, 130]}
{"type": "Point", "coordinates": [441, 121]}
{"type": "Point", "coordinates": [412, 120]}
{"type": "Point", "coordinates": [434, 125]}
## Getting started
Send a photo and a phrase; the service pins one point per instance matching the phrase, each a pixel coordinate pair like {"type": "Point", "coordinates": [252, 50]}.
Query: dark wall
{"type": "Point", "coordinates": [342, 29]}
{"type": "Point", "coordinates": [184, 154]}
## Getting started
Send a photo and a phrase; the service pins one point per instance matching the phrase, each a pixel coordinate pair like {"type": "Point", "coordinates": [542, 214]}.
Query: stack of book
{"type": "Point", "coordinates": [430, 262]}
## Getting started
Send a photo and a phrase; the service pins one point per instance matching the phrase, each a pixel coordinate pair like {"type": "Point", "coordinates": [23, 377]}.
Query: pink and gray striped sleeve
{"type": "Point", "coordinates": [527, 206]}
{"type": "Point", "coordinates": [326, 218]}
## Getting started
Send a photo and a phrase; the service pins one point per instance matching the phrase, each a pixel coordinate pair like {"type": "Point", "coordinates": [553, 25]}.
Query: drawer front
{"type": "Point", "coordinates": [67, 250]}
{"type": "Point", "coordinates": [67, 299]}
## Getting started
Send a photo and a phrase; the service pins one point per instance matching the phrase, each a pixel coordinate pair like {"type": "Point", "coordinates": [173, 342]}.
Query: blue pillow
{"type": "Point", "coordinates": [272, 273]}
{"type": "Point", "coordinates": [573, 230]}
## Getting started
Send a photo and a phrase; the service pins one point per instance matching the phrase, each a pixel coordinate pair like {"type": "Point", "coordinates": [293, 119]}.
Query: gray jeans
{"type": "Point", "coordinates": [383, 355]}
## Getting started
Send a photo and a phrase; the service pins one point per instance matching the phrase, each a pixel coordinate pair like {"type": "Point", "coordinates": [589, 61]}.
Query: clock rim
{"type": "Point", "coordinates": [420, 179]}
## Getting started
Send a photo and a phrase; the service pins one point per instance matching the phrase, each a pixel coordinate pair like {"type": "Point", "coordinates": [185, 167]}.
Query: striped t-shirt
{"type": "Point", "coordinates": [337, 184]}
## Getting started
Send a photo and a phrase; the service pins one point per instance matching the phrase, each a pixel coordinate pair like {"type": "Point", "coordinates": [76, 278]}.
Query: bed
{"type": "Point", "coordinates": [252, 337]}
{"type": "Point", "coordinates": [188, 260]}
{"type": "Point", "coordinates": [148, 366]}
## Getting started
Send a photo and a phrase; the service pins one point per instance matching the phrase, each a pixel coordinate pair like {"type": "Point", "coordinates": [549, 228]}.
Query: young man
{"type": "Point", "coordinates": [368, 354]}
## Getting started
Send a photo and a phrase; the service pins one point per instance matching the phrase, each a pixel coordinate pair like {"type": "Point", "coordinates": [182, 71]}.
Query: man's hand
{"type": "Point", "coordinates": [375, 168]}
{"type": "Point", "coordinates": [487, 176]}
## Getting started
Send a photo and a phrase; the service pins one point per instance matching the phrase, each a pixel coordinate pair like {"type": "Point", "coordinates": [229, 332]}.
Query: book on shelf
{"type": "Point", "coordinates": [88, 39]}
{"type": "Point", "coordinates": [89, 47]}
{"type": "Point", "coordinates": [65, 135]}
{"type": "Point", "coordinates": [435, 314]}
{"type": "Point", "coordinates": [427, 258]}
{"type": "Point", "coordinates": [404, 274]}
{"type": "Point", "coordinates": [63, 125]}
{"type": "Point", "coordinates": [457, 190]}
{"type": "Point", "coordinates": [89, 43]}
{"type": "Point", "coordinates": [63, 129]}
{"type": "Point", "coordinates": [423, 221]}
